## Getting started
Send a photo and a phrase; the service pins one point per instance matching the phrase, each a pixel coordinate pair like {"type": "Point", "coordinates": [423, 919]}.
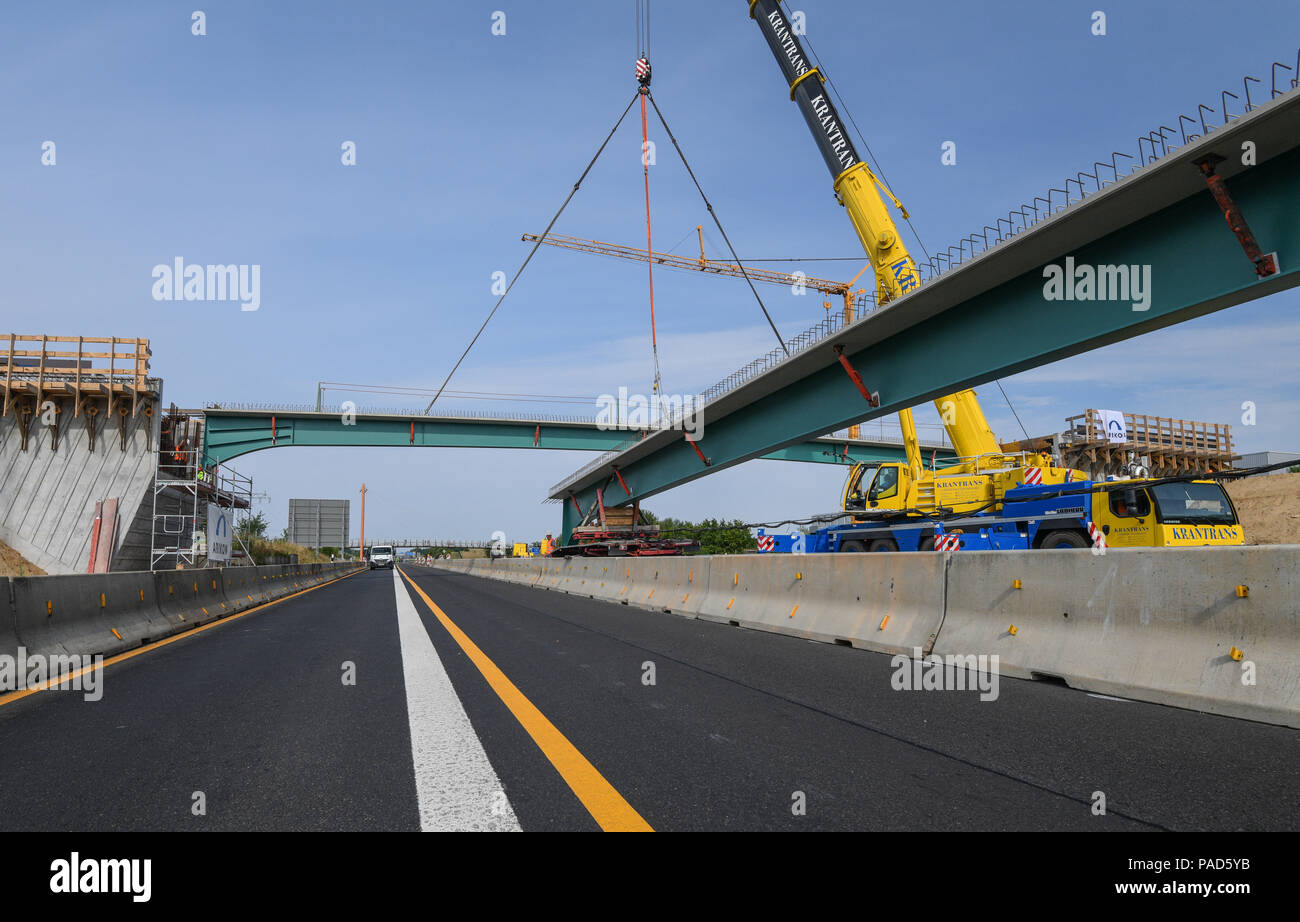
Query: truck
{"type": "Point", "coordinates": [988, 497]}
{"type": "Point", "coordinates": [1169, 512]}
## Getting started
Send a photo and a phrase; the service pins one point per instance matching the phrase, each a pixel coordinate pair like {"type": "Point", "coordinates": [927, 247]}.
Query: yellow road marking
{"type": "Point", "coordinates": [605, 804]}
{"type": "Point", "coordinates": [16, 695]}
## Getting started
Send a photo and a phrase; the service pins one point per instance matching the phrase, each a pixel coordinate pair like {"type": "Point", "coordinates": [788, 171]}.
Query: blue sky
{"type": "Point", "coordinates": [225, 148]}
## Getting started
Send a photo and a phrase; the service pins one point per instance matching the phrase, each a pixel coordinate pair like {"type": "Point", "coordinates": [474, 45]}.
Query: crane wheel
{"type": "Point", "coordinates": [852, 547]}
{"type": "Point", "coordinates": [1064, 539]}
{"type": "Point", "coordinates": [883, 545]}
{"type": "Point", "coordinates": [927, 544]}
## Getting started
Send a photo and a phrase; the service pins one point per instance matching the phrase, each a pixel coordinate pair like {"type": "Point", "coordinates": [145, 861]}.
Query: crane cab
{"type": "Point", "coordinates": [878, 488]}
{"type": "Point", "coordinates": [1190, 513]}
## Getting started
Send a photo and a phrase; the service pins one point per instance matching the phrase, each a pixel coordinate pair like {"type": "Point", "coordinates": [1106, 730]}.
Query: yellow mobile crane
{"type": "Point", "coordinates": [983, 472]}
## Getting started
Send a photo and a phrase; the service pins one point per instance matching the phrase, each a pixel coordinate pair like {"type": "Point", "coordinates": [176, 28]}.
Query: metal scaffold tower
{"type": "Point", "coordinates": [184, 488]}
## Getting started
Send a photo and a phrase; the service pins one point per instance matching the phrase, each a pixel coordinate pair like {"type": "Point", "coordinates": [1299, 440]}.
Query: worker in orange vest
{"type": "Point", "coordinates": [548, 545]}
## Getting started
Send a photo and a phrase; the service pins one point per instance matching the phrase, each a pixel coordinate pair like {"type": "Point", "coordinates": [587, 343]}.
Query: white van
{"type": "Point", "coordinates": [381, 555]}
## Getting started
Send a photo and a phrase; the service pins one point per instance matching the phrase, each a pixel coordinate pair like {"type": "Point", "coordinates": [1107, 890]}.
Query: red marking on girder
{"type": "Point", "coordinates": [690, 441]}
{"type": "Point", "coordinates": [1265, 264]}
{"type": "Point", "coordinates": [873, 399]}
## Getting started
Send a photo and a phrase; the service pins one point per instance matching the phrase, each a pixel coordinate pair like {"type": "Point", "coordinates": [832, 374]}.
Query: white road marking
{"type": "Point", "coordinates": [456, 786]}
{"type": "Point", "coordinates": [1107, 697]}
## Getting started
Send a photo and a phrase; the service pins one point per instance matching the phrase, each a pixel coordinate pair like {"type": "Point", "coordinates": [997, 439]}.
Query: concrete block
{"type": "Point", "coordinates": [104, 613]}
{"type": "Point", "coordinates": [1156, 624]}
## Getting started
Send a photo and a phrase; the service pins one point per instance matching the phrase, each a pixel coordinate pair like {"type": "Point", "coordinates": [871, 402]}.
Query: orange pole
{"type": "Point", "coordinates": [363, 523]}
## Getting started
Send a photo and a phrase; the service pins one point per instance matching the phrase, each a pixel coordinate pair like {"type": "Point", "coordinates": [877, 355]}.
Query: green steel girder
{"type": "Point", "coordinates": [1197, 267]}
{"type": "Point", "coordinates": [231, 433]}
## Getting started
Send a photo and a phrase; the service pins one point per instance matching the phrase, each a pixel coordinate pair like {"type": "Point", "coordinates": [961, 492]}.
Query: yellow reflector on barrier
{"type": "Point", "coordinates": [1015, 584]}
{"type": "Point", "coordinates": [1243, 592]}
{"type": "Point", "coordinates": [883, 622]}
{"type": "Point", "coordinates": [1236, 654]}
{"type": "Point", "coordinates": [1012, 630]}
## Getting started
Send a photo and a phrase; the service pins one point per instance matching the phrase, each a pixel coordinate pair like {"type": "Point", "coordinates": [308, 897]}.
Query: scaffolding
{"type": "Point", "coordinates": [183, 487]}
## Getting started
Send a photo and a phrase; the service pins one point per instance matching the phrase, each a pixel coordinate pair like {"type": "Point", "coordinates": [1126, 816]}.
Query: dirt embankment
{"type": "Point", "coordinates": [13, 563]}
{"type": "Point", "coordinates": [1269, 507]}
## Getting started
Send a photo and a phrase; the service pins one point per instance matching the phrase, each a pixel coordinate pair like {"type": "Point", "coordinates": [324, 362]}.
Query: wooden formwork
{"type": "Point", "coordinates": [1174, 446]}
{"type": "Point", "coordinates": [97, 376]}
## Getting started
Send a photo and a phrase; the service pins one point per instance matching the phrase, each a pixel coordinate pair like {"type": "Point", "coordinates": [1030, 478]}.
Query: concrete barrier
{"type": "Point", "coordinates": [8, 619]}
{"type": "Point", "coordinates": [285, 579]}
{"type": "Point", "coordinates": [243, 588]}
{"type": "Point", "coordinates": [192, 597]}
{"type": "Point", "coordinates": [670, 584]}
{"type": "Point", "coordinates": [885, 603]}
{"type": "Point", "coordinates": [1155, 624]}
{"type": "Point", "coordinates": [110, 613]}
{"type": "Point", "coordinates": [1187, 627]}
{"type": "Point", "coordinates": [87, 613]}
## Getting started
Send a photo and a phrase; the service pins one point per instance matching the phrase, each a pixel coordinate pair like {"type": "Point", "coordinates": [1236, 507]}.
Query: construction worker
{"type": "Point", "coordinates": [548, 545]}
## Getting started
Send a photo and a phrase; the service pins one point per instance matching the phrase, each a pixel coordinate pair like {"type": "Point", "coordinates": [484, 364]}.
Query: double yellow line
{"type": "Point", "coordinates": [605, 804]}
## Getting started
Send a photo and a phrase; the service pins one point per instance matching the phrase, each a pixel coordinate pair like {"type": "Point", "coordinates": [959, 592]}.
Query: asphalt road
{"type": "Point", "coordinates": [511, 707]}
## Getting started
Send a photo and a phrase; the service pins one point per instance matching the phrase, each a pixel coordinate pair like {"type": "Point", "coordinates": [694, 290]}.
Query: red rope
{"type": "Point", "coordinates": [650, 266]}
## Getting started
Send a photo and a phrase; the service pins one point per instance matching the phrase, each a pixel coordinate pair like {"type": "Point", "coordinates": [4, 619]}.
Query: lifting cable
{"type": "Point", "coordinates": [531, 253]}
{"type": "Point", "coordinates": [713, 214]}
{"type": "Point", "coordinates": [879, 169]}
{"type": "Point", "coordinates": [643, 90]}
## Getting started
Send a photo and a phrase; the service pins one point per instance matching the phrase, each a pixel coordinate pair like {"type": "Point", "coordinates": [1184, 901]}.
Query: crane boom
{"type": "Point", "coordinates": [863, 195]}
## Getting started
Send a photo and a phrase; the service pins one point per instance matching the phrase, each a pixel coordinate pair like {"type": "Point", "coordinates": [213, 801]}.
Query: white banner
{"type": "Point", "coordinates": [220, 526]}
{"type": "Point", "coordinates": [1112, 422]}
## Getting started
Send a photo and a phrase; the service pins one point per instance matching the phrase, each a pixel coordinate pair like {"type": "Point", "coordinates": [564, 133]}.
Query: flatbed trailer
{"type": "Point", "coordinates": [623, 543]}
